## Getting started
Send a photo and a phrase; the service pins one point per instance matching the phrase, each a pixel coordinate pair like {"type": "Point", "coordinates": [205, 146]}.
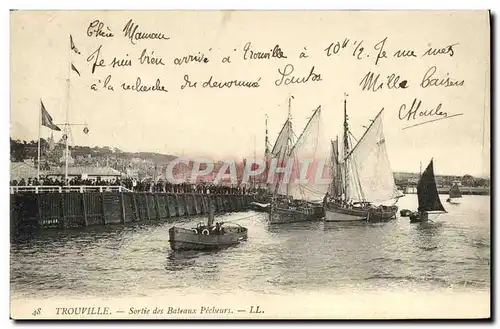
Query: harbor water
{"type": "Point", "coordinates": [453, 253]}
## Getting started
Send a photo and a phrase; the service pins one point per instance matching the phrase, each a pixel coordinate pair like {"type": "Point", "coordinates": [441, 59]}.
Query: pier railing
{"type": "Point", "coordinates": [69, 188]}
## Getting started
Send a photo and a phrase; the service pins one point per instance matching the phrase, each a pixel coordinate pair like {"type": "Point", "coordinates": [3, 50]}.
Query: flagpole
{"type": "Point", "coordinates": [67, 115]}
{"type": "Point", "coordinates": [39, 133]}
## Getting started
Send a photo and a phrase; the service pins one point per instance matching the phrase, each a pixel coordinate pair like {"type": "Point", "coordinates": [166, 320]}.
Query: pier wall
{"type": "Point", "coordinates": [75, 210]}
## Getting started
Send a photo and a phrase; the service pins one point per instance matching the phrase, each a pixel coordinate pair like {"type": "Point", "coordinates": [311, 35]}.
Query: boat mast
{"type": "Point", "coordinates": [333, 168]}
{"type": "Point", "coordinates": [289, 142]}
{"type": "Point", "coordinates": [266, 152]}
{"type": "Point", "coordinates": [337, 180]}
{"type": "Point", "coordinates": [346, 149]}
{"type": "Point", "coordinates": [266, 140]}
{"type": "Point", "coordinates": [290, 136]}
{"type": "Point", "coordinates": [354, 148]}
{"type": "Point", "coordinates": [290, 107]}
{"type": "Point", "coordinates": [254, 158]}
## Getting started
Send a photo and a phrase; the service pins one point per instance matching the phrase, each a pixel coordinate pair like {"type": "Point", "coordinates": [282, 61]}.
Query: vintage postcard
{"type": "Point", "coordinates": [250, 165]}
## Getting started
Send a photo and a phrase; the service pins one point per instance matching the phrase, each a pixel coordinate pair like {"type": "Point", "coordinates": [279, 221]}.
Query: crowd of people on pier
{"type": "Point", "coordinates": [200, 188]}
{"type": "Point", "coordinates": [144, 186]}
{"type": "Point", "coordinates": [56, 181]}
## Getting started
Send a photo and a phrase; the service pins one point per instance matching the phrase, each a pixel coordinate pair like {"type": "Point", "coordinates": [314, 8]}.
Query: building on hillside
{"type": "Point", "coordinates": [20, 170]}
{"type": "Point", "coordinates": [71, 161]}
{"type": "Point", "coordinates": [92, 173]}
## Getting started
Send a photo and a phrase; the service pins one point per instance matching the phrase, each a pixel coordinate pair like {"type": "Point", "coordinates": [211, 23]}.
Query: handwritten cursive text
{"type": "Point", "coordinates": [131, 32]}
{"type": "Point", "coordinates": [370, 82]}
{"type": "Point", "coordinates": [96, 29]}
{"type": "Point", "coordinates": [415, 111]}
{"type": "Point", "coordinates": [139, 87]}
{"type": "Point", "coordinates": [430, 81]}
{"type": "Point", "coordinates": [287, 78]}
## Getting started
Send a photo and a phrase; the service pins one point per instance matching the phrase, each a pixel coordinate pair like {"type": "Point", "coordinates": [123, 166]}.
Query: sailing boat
{"type": "Point", "coordinates": [207, 236]}
{"type": "Point", "coordinates": [428, 197]}
{"type": "Point", "coordinates": [261, 201]}
{"type": "Point", "coordinates": [281, 151]}
{"type": "Point", "coordinates": [455, 194]}
{"type": "Point", "coordinates": [300, 199]}
{"type": "Point", "coordinates": [363, 178]}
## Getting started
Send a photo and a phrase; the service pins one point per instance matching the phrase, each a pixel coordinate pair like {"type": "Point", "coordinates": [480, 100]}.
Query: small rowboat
{"type": "Point", "coordinates": [207, 237]}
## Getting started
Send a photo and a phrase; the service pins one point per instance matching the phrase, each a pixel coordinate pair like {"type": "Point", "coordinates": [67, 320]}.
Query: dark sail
{"type": "Point", "coordinates": [455, 191]}
{"type": "Point", "coordinates": [428, 197]}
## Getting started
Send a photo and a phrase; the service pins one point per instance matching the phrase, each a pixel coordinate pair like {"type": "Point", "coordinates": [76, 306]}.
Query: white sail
{"type": "Point", "coordinates": [353, 187]}
{"type": "Point", "coordinates": [370, 175]}
{"type": "Point", "coordinates": [283, 140]}
{"type": "Point", "coordinates": [310, 178]}
{"type": "Point", "coordinates": [281, 153]}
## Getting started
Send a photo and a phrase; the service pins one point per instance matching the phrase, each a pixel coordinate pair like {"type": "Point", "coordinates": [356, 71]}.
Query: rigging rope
{"type": "Point", "coordinates": [350, 133]}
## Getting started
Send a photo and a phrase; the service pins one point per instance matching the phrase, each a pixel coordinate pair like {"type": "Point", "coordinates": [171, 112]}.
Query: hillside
{"type": "Point", "coordinates": [23, 150]}
{"type": "Point", "coordinates": [151, 163]}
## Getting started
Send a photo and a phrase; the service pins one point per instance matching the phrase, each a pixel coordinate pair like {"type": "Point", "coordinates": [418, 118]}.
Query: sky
{"type": "Point", "coordinates": [230, 123]}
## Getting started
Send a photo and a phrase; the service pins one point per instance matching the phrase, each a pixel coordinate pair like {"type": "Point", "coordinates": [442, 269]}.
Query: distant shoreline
{"type": "Point", "coordinates": [464, 189]}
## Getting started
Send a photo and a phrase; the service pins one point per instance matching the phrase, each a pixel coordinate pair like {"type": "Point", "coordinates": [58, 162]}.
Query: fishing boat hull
{"type": "Point", "coordinates": [319, 211]}
{"type": "Point", "coordinates": [378, 214]}
{"type": "Point", "coordinates": [280, 215]}
{"type": "Point", "coordinates": [382, 214]}
{"type": "Point", "coordinates": [345, 215]}
{"type": "Point", "coordinates": [453, 200]}
{"type": "Point", "coordinates": [191, 239]}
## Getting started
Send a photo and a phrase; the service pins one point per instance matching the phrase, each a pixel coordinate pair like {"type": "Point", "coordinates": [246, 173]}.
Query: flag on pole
{"type": "Point", "coordinates": [72, 45]}
{"type": "Point", "coordinates": [47, 119]}
{"type": "Point", "coordinates": [74, 69]}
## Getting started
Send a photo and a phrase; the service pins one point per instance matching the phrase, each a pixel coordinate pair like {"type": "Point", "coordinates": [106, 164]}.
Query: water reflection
{"type": "Point", "coordinates": [341, 226]}
{"type": "Point", "coordinates": [127, 260]}
{"type": "Point", "coordinates": [293, 227]}
{"type": "Point", "coordinates": [427, 235]}
{"type": "Point", "coordinates": [183, 259]}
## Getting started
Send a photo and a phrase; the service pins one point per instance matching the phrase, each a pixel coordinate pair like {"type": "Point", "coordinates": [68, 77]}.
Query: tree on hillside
{"type": "Point", "coordinates": [467, 180]}
{"type": "Point", "coordinates": [22, 150]}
